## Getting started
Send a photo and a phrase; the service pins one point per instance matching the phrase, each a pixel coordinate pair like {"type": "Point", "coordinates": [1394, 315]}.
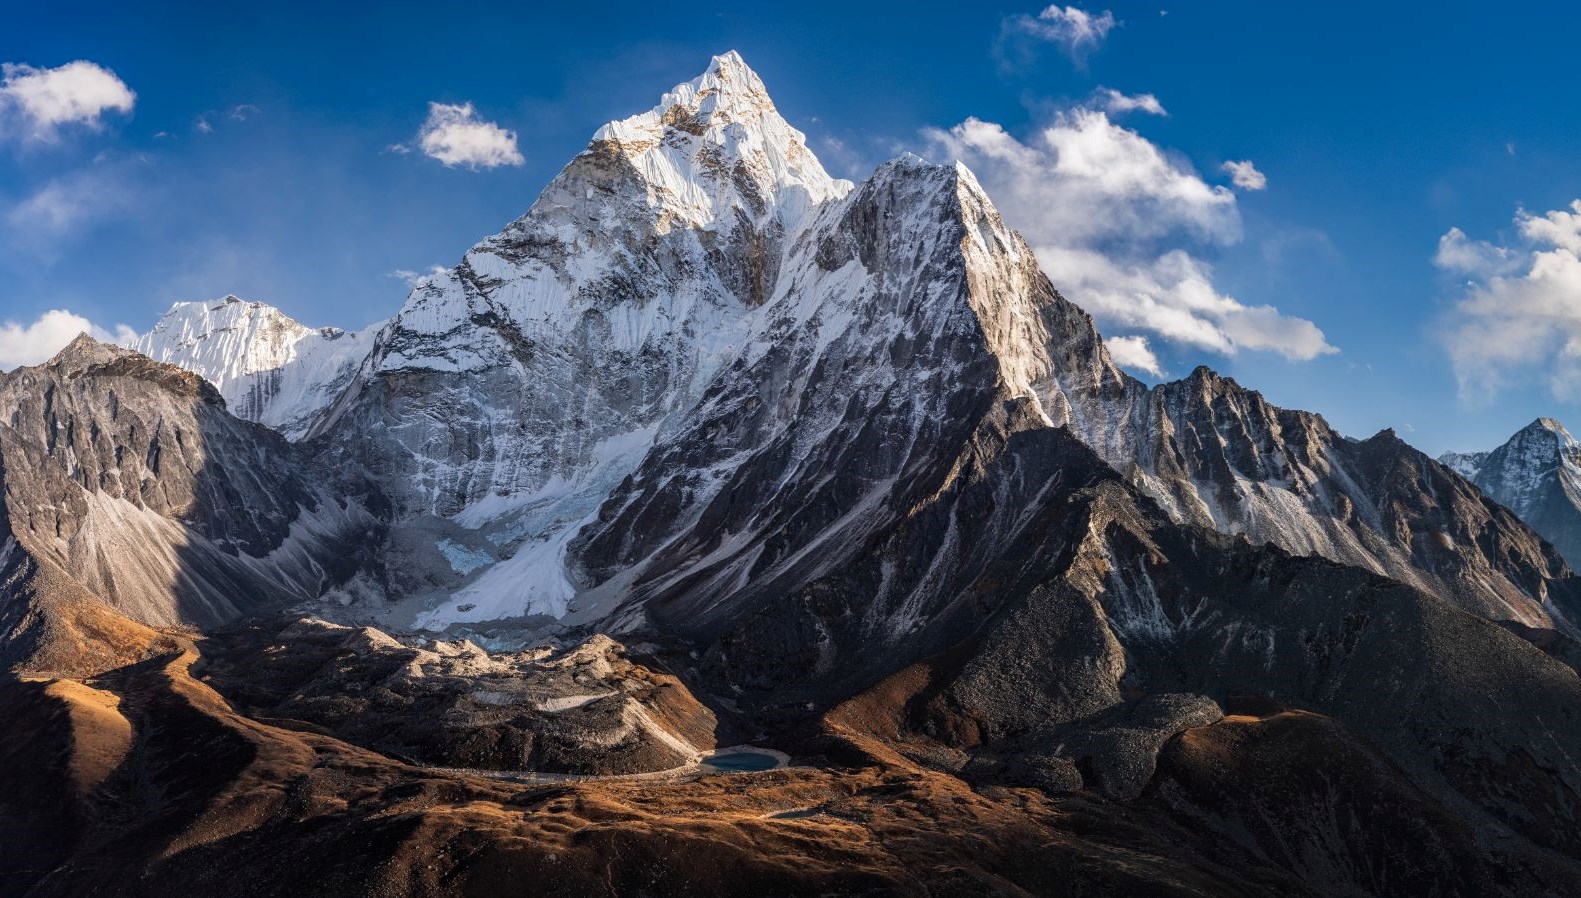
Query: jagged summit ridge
{"type": "Point", "coordinates": [693, 289]}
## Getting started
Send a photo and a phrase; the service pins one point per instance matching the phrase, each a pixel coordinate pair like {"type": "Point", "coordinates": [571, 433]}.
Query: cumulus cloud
{"type": "Point", "coordinates": [30, 344]}
{"type": "Point", "coordinates": [1245, 175]}
{"type": "Point", "coordinates": [38, 104]}
{"type": "Point", "coordinates": [454, 135]}
{"type": "Point", "coordinates": [1115, 103]}
{"type": "Point", "coordinates": [1520, 315]}
{"type": "Point", "coordinates": [1117, 224]}
{"type": "Point", "coordinates": [1074, 30]}
{"type": "Point", "coordinates": [1133, 353]}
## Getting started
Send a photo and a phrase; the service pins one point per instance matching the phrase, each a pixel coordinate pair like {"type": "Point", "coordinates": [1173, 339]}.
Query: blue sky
{"type": "Point", "coordinates": [257, 159]}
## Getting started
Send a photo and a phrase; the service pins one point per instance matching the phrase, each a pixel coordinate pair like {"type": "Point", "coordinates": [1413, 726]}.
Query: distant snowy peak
{"type": "Point", "coordinates": [270, 368]}
{"type": "Point", "coordinates": [1466, 464]}
{"type": "Point", "coordinates": [1537, 475]}
{"type": "Point", "coordinates": [1514, 472]}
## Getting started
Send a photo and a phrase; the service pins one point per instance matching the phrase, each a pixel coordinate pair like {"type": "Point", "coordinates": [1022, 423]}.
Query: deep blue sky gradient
{"type": "Point", "coordinates": [1379, 126]}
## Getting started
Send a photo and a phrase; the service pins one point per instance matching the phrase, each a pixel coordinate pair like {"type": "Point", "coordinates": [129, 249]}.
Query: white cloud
{"type": "Point", "coordinates": [1461, 254]}
{"type": "Point", "coordinates": [414, 278]}
{"type": "Point", "coordinates": [1086, 178]}
{"type": "Point", "coordinates": [1075, 30]}
{"type": "Point", "coordinates": [39, 223]}
{"type": "Point", "coordinates": [1245, 175]}
{"type": "Point", "coordinates": [1115, 103]}
{"type": "Point", "coordinates": [39, 103]}
{"type": "Point", "coordinates": [30, 344]}
{"type": "Point", "coordinates": [454, 135]}
{"type": "Point", "coordinates": [1558, 228]}
{"type": "Point", "coordinates": [1134, 353]}
{"type": "Point", "coordinates": [1115, 220]}
{"type": "Point", "coordinates": [1520, 315]}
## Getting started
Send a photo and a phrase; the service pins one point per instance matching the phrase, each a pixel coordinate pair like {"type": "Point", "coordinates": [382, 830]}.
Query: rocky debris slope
{"type": "Point", "coordinates": [1537, 475]}
{"type": "Point", "coordinates": [101, 795]}
{"type": "Point", "coordinates": [270, 369]}
{"type": "Point", "coordinates": [128, 485]}
{"type": "Point", "coordinates": [586, 709]}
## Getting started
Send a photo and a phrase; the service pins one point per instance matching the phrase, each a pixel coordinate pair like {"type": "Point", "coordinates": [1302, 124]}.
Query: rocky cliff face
{"type": "Point", "coordinates": [129, 478]}
{"type": "Point", "coordinates": [1537, 475]}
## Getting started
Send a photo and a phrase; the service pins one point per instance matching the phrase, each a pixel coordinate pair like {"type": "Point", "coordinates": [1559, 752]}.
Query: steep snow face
{"type": "Point", "coordinates": [512, 393]}
{"type": "Point", "coordinates": [269, 368]}
{"type": "Point", "coordinates": [1537, 475]}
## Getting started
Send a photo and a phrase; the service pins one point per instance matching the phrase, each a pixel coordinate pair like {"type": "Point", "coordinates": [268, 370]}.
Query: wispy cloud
{"type": "Point", "coordinates": [1245, 175]}
{"type": "Point", "coordinates": [241, 112]}
{"type": "Point", "coordinates": [1116, 103]}
{"type": "Point", "coordinates": [37, 341]}
{"type": "Point", "coordinates": [1075, 31]}
{"type": "Point", "coordinates": [454, 135]}
{"type": "Point", "coordinates": [38, 104]}
{"type": "Point", "coordinates": [414, 278]}
{"type": "Point", "coordinates": [1118, 224]}
{"type": "Point", "coordinates": [1520, 313]}
{"type": "Point", "coordinates": [39, 223]}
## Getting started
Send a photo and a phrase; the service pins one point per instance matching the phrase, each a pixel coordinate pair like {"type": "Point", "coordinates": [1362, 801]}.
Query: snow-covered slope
{"type": "Point", "coordinates": [270, 369]}
{"type": "Point", "coordinates": [1536, 474]}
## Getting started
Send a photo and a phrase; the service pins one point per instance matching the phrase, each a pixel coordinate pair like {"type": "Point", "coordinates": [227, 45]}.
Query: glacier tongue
{"type": "Point", "coordinates": [270, 369]}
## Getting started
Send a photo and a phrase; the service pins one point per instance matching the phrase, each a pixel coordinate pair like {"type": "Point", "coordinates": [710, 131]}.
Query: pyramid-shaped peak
{"type": "Point", "coordinates": [84, 350]}
{"type": "Point", "coordinates": [728, 93]}
{"type": "Point", "coordinates": [1550, 425]}
{"type": "Point", "coordinates": [717, 143]}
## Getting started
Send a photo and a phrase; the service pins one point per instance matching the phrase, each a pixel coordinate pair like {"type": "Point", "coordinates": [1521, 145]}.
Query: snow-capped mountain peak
{"type": "Point", "coordinates": [270, 368]}
{"type": "Point", "coordinates": [1537, 475]}
{"type": "Point", "coordinates": [717, 144]}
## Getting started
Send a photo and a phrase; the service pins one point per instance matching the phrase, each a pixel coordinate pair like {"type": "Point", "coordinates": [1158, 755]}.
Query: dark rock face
{"type": "Point", "coordinates": [1217, 454]}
